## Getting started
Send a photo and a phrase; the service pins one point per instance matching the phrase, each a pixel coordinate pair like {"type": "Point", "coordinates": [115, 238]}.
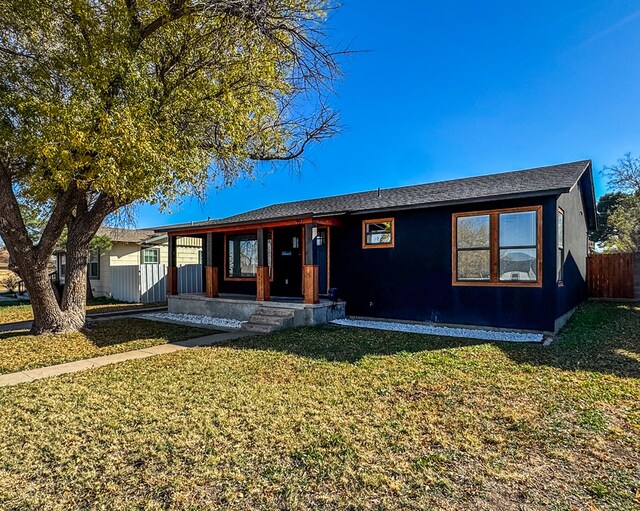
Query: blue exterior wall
{"type": "Point", "coordinates": [412, 281]}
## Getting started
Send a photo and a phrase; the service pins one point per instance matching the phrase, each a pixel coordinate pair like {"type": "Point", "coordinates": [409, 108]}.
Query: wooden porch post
{"type": "Point", "coordinates": [211, 272]}
{"type": "Point", "coordinates": [310, 270]}
{"type": "Point", "coordinates": [263, 289]}
{"type": "Point", "coordinates": [172, 269]}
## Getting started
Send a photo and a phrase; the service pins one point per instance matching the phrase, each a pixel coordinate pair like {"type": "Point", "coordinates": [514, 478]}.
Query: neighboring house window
{"type": "Point", "coordinates": [378, 233]}
{"type": "Point", "coordinates": [93, 268]}
{"type": "Point", "coordinates": [63, 264]}
{"type": "Point", "coordinates": [560, 231]}
{"type": "Point", "coordinates": [150, 256]}
{"type": "Point", "coordinates": [499, 247]}
{"type": "Point", "coordinates": [242, 256]}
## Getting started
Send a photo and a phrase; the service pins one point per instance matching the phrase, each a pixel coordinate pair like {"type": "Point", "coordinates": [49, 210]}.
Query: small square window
{"type": "Point", "coordinates": [151, 256]}
{"type": "Point", "coordinates": [378, 233]}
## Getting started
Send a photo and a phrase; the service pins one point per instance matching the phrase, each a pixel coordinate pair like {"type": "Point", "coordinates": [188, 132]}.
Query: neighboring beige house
{"type": "Point", "coordinates": [133, 248]}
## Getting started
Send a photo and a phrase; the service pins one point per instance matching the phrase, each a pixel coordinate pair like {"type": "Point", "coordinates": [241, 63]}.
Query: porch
{"type": "Point", "coordinates": [253, 272]}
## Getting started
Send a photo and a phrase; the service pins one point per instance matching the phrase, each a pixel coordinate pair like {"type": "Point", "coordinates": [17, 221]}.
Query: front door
{"type": "Point", "coordinates": [287, 262]}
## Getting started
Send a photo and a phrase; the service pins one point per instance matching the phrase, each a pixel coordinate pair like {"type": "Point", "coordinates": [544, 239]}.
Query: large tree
{"type": "Point", "coordinates": [624, 220]}
{"type": "Point", "coordinates": [105, 103]}
{"type": "Point", "coordinates": [607, 204]}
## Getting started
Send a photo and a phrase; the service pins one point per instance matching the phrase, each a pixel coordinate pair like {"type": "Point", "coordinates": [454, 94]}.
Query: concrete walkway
{"type": "Point", "coordinates": [90, 363]}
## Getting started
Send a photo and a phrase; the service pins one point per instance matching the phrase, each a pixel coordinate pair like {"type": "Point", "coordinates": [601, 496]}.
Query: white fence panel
{"type": "Point", "coordinates": [147, 283]}
{"type": "Point", "coordinates": [190, 278]}
{"type": "Point", "coordinates": [125, 283]}
{"type": "Point", "coordinates": [153, 283]}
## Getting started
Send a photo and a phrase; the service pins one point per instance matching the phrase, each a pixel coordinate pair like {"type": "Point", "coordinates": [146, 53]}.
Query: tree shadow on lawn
{"type": "Point", "coordinates": [602, 338]}
{"type": "Point", "coordinates": [118, 331]}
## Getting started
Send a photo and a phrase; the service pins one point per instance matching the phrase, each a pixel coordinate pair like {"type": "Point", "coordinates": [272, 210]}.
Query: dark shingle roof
{"type": "Point", "coordinates": [538, 181]}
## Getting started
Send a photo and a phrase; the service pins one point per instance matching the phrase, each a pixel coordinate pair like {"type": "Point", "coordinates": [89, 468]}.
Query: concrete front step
{"type": "Point", "coordinates": [257, 328]}
{"type": "Point", "coordinates": [269, 319]}
{"type": "Point", "coordinates": [275, 311]}
{"type": "Point", "coordinates": [279, 321]}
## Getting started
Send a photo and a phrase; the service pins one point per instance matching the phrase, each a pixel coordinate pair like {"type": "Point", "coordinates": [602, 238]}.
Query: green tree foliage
{"type": "Point", "coordinates": [607, 204]}
{"type": "Point", "coordinates": [106, 103]}
{"type": "Point", "coordinates": [624, 220]}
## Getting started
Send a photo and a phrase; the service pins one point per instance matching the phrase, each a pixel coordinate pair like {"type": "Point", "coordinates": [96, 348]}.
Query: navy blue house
{"type": "Point", "coordinates": [501, 250]}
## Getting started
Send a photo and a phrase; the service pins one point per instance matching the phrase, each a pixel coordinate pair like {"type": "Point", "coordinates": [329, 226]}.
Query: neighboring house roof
{"type": "Point", "coordinates": [138, 236]}
{"type": "Point", "coordinates": [554, 179]}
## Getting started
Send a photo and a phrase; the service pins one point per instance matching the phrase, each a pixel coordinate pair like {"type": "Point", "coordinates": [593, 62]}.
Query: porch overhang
{"type": "Point", "coordinates": [183, 230]}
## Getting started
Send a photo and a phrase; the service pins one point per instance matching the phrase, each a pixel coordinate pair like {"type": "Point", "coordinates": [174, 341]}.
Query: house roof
{"type": "Point", "coordinates": [554, 179]}
{"type": "Point", "coordinates": [127, 235]}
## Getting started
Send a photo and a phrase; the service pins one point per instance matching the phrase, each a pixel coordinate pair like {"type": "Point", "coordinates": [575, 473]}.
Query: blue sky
{"type": "Point", "coordinates": [453, 89]}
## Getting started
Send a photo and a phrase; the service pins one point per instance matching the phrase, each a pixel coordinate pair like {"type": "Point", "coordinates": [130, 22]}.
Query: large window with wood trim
{"type": "Point", "coordinates": [378, 233]}
{"type": "Point", "coordinates": [498, 247]}
{"type": "Point", "coordinates": [242, 256]}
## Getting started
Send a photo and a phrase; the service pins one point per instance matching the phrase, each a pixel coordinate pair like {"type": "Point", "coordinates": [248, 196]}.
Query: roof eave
{"type": "Point", "coordinates": [473, 200]}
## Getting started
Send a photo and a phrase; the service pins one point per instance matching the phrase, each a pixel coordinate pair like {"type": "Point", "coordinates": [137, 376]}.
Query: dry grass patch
{"type": "Point", "coordinates": [334, 418]}
{"type": "Point", "coordinates": [20, 351]}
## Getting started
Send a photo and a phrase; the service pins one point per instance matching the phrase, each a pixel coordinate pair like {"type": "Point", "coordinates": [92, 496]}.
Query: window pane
{"type": "Point", "coordinates": [473, 231]}
{"type": "Point", "coordinates": [518, 229]}
{"type": "Point", "coordinates": [242, 256]}
{"type": "Point", "coordinates": [378, 233]}
{"type": "Point", "coordinates": [518, 265]}
{"type": "Point", "coordinates": [474, 265]}
{"type": "Point", "coordinates": [150, 256]}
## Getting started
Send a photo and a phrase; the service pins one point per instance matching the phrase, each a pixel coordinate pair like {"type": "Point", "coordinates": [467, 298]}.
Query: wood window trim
{"type": "Point", "coordinates": [391, 244]}
{"type": "Point", "coordinates": [495, 248]}
{"type": "Point", "coordinates": [246, 279]}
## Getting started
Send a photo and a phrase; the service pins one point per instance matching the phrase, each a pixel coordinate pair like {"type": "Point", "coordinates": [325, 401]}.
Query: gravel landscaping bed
{"type": "Point", "coordinates": [470, 333]}
{"type": "Point", "coordinates": [195, 319]}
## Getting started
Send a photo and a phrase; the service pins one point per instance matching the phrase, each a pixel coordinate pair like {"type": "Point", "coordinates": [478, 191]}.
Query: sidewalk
{"type": "Point", "coordinates": [90, 363]}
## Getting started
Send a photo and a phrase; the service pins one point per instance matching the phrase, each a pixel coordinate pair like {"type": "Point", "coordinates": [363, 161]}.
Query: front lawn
{"type": "Point", "coordinates": [335, 418]}
{"type": "Point", "coordinates": [20, 351]}
{"type": "Point", "coordinates": [13, 312]}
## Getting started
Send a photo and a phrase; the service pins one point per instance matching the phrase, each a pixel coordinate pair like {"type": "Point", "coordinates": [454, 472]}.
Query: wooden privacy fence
{"type": "Point", "coordinates": [147, 283]}
{"type": "Point", "coordinates": [611, 275]}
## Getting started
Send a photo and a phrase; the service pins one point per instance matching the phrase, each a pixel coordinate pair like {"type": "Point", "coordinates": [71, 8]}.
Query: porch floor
{"type": "Point", "coordinates": [242, 307]}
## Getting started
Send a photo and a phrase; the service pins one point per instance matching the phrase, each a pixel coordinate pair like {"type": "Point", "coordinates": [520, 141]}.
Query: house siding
{"type": "Point", "coordinates": [412, 281]}
{"type": "Point", "coordinates": [129, 254]}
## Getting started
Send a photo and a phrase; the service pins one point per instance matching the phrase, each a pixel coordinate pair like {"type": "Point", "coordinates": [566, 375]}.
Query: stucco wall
{"type": "Point", "coordinates": [573, 290]}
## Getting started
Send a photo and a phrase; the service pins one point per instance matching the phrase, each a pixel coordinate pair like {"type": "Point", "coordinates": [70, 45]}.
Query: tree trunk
{"type": "Point", "coordinates": [47, 315]}
{"type": "Point", "coordinates": [74, 297]}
